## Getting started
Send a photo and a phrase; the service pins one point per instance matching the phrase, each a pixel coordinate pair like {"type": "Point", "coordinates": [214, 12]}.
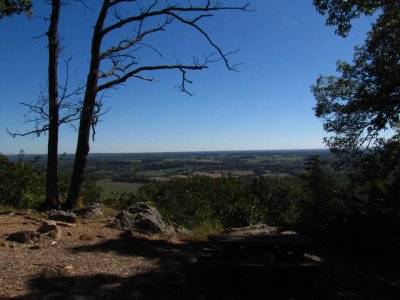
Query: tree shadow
{"type": "Point", "coordinates": [178, 275]}
{"type": "Point", "coordinates": [153, 248]}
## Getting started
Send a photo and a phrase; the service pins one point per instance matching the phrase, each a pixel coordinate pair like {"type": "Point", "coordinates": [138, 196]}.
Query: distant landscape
{"type": "Point", "coordinates": [118, 173]}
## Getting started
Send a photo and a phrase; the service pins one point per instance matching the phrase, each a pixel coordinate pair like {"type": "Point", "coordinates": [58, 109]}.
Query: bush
{"type": "Point", "coordinates": [197, 201]}
{"type": "Point", "coordinates": [21, 185]}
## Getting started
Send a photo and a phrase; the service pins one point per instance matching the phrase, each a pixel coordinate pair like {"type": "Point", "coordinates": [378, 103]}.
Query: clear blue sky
{"type": "Point", "coordinates": [284, 46]}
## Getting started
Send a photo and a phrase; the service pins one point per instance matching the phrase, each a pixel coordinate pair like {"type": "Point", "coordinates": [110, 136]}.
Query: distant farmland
{"type": "Point", "coordinates": [110, 187]}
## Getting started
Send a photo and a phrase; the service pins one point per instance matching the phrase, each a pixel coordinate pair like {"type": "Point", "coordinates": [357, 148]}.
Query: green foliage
{"type": "Point", "coordinates": [324, 204]}
{"type": "Point", "coordinates": [360, 105]}
{"type": "Point", "coordinates": [341, 13]}
{"type": "Point", "coordinates": [226, 201]}
{"type": "Point", "coordinates": [91, 193]}
{"type": "Point", "coordinates": [10, 7]}
{"type": "Point", "coordinates": [274, 201]}
{"type": "Point", "coordinates": [204, 229]}
{"type": "Point", "coordinates": [21, 185]}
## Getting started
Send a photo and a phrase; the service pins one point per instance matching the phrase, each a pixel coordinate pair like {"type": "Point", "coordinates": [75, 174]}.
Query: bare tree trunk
{"type": "Point", "coordinates": [52, 150]}
{"type": "Point", "coordinates": [82, 148]}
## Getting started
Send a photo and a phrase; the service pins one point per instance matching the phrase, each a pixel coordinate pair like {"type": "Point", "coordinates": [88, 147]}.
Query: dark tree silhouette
{"type": "Point", "coordinates": [10, 7]}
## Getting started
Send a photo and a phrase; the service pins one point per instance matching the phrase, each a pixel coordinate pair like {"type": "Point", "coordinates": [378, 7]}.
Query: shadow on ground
{"type": "Point", "coordinates": [177, 275]}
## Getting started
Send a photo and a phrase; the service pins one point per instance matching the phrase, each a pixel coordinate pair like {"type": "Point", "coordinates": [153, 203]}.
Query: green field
{"type": "Point", "coordinates": [110, 187]}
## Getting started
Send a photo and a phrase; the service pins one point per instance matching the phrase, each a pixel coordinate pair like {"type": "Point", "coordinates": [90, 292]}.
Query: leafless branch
{"type": "Point", "coordinates": [135, 72]}
{"type": "Point", "coordinates": [68, 103]}
{"type": "Point", "coordinates": [167, 11]}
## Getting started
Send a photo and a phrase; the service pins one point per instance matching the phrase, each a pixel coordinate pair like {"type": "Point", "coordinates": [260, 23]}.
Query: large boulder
{"type": "Point", "coordinates": [143, 218]}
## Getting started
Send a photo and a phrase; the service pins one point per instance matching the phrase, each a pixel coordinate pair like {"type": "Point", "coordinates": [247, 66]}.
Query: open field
{"type": "Point", "coordinates": [109, 187]}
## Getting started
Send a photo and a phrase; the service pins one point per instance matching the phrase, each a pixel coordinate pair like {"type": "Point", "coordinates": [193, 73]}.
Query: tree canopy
{"type": "Point", "coordinates": [360, 108]}
{"type": "Point", "coordinates": [10, 7]}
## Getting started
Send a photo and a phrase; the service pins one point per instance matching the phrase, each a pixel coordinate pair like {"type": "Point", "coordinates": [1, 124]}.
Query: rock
{"type": "Point", "coordinates": [60, 215]}
{"type": "Point", "coordinates": [35, 247]}
{"type": "Point", "coordinates": [92, 211]}
{"type": "Point", "coordinates": [143, 218]}
{"type": "Point", "coordinates": [47, 226]}
{"type": "Point", "coordinates": [50, 273]}
{"type": "Point", "coordinates": [175, 228]}
{"type": "Point", "coordinates": [23, 237]}
{"type": "Point", "coordinates": [55, 234]}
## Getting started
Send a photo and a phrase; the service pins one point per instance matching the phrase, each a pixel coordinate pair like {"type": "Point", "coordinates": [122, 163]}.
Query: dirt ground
{"type": "Point", "coordinates": [96, 260]}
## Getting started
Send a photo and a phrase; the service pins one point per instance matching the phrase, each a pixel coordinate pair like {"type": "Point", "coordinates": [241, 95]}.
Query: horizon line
{"type": "Point", "coordinates": [185, 151]}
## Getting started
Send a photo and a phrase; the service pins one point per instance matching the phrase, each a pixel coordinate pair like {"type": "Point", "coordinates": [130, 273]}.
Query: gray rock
{"type": "Point", "coordinates": [60, 215]}
{"type": "Point", "coordinates": [143, 218]}
{"type": "Point", "coordinates": [47, 226]}
{"type": "Point", "coordinates": [23, 237]}
{"type": "Point", "coordinates": [92, 211]}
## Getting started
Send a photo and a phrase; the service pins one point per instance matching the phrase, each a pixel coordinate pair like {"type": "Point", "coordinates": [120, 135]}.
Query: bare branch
{"type": "Point", "coordinates": [205, 34]}
{"type": "Point", "coordinates": [135, 72]}
{"type": "Point", "coordinates": [166, 11]}
{"type": "Point", "coordinates": [126, 44]}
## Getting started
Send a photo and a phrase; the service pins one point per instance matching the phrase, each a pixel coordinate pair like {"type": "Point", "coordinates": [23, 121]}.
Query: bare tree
{"type": "Point", "coordinates": [46, 114]}
{"type": "Point", "coordinates": [52, 148]}
{"type": "Point", "coordinates": [113, 66]}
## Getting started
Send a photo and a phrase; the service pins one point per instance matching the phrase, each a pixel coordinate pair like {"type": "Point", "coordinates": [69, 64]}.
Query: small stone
{"type": "Point", "coordinates": [69, 267]}
{"type": "Point", "coordinates": [90, 212]}
{"type": "Point", "coordinates": [69, 233]}
{"type": "Point", "coordinates": [35, 247]}
{"type": "Point", "coordinates": [55, 234]}
{"type": "Point", "coordinates": [47, 226]}
{"type": "Point", "coordinates": [50, 273]}
{"type": "Point", "coordinates": [53, 243]}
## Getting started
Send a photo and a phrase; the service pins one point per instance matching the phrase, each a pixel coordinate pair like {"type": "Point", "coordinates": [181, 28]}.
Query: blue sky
{"type": "Point", "coordinates": [284, 46]}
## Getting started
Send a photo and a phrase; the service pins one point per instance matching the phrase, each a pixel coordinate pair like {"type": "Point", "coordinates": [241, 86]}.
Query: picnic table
{"type": "Point", "coordinates": [268, 252]}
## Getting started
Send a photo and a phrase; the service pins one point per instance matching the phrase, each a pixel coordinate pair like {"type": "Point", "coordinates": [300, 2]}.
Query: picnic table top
{"type": "Point", "coordinates": [293, 239]}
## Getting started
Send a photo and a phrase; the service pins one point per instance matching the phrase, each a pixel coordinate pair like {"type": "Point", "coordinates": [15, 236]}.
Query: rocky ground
{"type": "Point", "coordinates": [94, 259]}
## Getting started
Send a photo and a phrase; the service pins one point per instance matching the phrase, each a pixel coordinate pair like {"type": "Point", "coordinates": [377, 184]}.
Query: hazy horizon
{"type": "Point", "coordinates": [172, 152]}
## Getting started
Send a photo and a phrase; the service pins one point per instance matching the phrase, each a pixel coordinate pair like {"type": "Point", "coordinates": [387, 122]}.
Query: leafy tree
{"type": "Point", "coordinates": [323, 203]}
{"type": "Point", "coordinates": [10, 7]}
{"type": "Point", "coordinates": [274, 201]}
{"type": "Point", "coordinates": [341, 13]}
{"type": "Point", "coordinates": [361, 107]}
{"type": "Point", "coordinates": [113, 66]}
